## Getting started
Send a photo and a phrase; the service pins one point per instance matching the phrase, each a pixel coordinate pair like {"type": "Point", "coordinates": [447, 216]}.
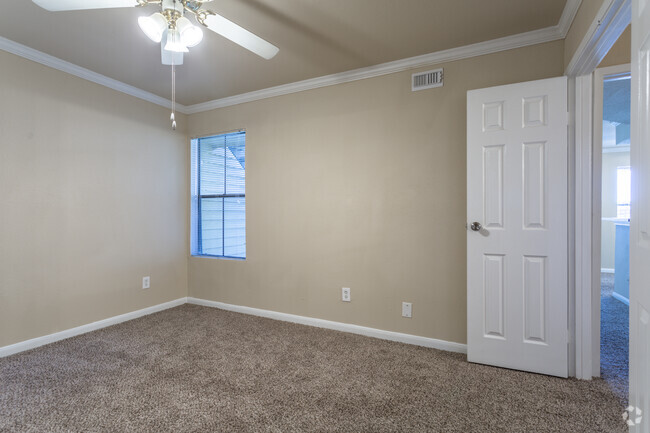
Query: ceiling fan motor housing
{"type": "Point", "coordinates": [173, 6]}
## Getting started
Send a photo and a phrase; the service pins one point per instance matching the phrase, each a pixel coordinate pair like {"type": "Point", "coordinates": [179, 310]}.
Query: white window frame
{"type": "Point", "coordinates": [195, 227]}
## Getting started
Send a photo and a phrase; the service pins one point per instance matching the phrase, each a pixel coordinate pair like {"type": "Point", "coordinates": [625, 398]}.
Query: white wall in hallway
{"type": "Point", "coordinates": [611, 161]}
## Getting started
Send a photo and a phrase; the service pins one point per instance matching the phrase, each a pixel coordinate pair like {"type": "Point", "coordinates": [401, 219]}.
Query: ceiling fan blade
{"type": "Point", "coordinates": [71, 5]}
{"type": "Point", "coordinates": [241, 36]}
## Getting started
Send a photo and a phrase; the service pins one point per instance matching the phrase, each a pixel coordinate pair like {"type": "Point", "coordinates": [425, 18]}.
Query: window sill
{"type": "Point", "coordinates": [206, 256]}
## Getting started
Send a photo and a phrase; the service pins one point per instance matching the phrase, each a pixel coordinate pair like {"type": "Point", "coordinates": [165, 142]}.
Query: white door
{"type": "Point", "coordinates": [640, 220]}
{"type": "Point", "coordinates": [517, 226]}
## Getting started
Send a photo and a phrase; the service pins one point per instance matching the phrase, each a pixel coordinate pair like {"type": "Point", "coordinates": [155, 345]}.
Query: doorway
{"type": "Point", "coordinates": [615, 230]}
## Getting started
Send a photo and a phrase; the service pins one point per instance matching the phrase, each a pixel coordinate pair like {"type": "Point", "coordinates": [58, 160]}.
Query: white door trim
{"type": "Point", "coordinates": [611, 20]}
{"type": "Point", "coordinates": [582, 225]}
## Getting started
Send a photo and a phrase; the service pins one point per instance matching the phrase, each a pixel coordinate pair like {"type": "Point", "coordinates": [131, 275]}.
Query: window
{"type": "Point", "coordinates": [623, 185]}
{"type": "Point", "coordinates": [219, 196]}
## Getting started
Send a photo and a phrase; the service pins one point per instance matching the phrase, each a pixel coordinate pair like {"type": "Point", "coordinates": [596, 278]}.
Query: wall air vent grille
{"type": "Point", "coordinates": [426, 80]}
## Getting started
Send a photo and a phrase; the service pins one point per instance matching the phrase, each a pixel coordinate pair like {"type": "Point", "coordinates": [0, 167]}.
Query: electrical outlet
{"type": "Point", "coordinates": [407, 309]}
{"type": "Point", "coordinates": [345, 294]}
{"type": "Point", "coordinates": [146, 282]}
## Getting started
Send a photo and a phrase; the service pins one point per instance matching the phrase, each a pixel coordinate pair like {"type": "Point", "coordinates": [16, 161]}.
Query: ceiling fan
{"type": "Point", "coordinates": [172, 29]}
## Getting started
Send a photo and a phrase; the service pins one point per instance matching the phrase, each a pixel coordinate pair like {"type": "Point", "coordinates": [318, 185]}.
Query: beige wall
{"type": "Point", "coordinates": [360, 185]}
{"type": "Point", "coordinates": [621, 51]}
{"type": "Point", "coordinates": [611, 161]}
{"type": "Point", "coordinates": [94, 192]}
{"type": "Point", "coordinates": [586, 14]}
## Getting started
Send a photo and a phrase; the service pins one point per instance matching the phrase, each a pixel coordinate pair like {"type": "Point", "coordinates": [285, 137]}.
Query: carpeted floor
{"type": "Point", "coordinates": [614, 339]}
{"type": "Point", "coordinates": [198, 369]}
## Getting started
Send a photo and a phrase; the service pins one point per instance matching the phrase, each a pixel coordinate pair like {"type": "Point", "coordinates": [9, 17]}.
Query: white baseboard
{"type": "Point", "coordinates": [621, 298]}
{"type": "Point", "coordinates": [606, 270]}
{"type": "Point", "coordinates": [310, 321]}
{"type": "Point", "coordinates": [337, 326]}
{"type": "Point", "coordinates": [57, 336]}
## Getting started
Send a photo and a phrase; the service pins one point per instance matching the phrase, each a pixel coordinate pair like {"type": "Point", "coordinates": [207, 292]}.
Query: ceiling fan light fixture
{"type": "Point", "coordinates": [191, 35]}
{"type": "Point", "coordinates": [153, 26]}
{"type": "Point", "coordinates": [169, 58]}
{"type": "Point", "coordinates": [174, 32]}
{"type": "Point", "coordinates": [174, 43]}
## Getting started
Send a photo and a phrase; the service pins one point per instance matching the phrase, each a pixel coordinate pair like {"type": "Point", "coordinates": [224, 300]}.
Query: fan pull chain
{"type": "Point", "coordinates": [173, 117]}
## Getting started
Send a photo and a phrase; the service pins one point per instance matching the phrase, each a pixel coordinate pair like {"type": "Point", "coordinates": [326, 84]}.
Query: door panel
{"type": "Point", "coordinates": [534, 168]}
{"type": "Point", "coordinates": [517, 260]}
{"type": "Point", "coordinates": [494, 286]}
{"type": "Point", "coordinates": [535, 303]}
{"type": "Point", "coordinates": [493, 181]}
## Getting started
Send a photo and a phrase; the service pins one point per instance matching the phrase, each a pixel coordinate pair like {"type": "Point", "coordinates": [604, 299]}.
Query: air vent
{"type": "Point", "coordinates": [426, 80]}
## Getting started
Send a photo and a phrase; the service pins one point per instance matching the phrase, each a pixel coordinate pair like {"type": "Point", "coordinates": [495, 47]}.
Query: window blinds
{"type": "Point", "coordinates": [221, 204]}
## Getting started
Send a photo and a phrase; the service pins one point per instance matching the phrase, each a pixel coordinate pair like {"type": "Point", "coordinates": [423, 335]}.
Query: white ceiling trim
{"type": "Point", "coordinates": [488, 47]}
{"type": "Point", "coordinates": [70, 68]}
{"type": "Point", "coordinates": [534, 37]}
{"type": "Point", "coordinates": [568, 15]}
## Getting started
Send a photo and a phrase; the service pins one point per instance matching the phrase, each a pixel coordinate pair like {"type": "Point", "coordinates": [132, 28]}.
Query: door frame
{"type": "Point", "coordinates": [584, 309]}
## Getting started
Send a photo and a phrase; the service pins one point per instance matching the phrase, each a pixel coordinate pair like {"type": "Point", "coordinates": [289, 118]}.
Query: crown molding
{"type": "Point", "coordinates": [534, 37]}
{"type": "Point", "coordinates": [568, 15]}
{"type": "Point", "coordinates": [72, 69]}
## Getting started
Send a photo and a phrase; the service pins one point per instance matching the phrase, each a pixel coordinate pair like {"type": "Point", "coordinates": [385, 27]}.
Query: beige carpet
{"type": "Point", "coordinates": [198, 369]}
{"type": "Point", "coordinates": [614, 339]}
